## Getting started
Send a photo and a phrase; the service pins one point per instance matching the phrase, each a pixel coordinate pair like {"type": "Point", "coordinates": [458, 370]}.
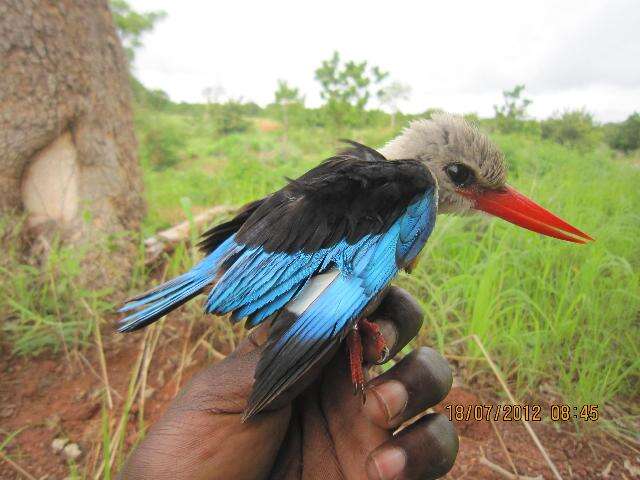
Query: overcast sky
{"type": "Point", "coordinates": [455, 55]}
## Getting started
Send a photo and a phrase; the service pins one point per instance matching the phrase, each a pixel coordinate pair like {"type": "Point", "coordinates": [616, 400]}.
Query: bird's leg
{"type": "Point", "coordinates": [354, 344]}
{"type": "Point", "coordinates": [372, 330]}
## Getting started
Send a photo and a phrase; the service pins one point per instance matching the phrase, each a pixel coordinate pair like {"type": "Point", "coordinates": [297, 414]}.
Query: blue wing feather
{"type": "Point", "coordinates": [259, 283]}
{"type": "Point", "coordinates": [416, 225]}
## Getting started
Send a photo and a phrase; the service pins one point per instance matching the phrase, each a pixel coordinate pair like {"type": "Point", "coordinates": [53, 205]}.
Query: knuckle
{"type": "Point", "coordinates": [444, 444]}
{"type": "Point", "coordinates": [432, 445]}
{"type": "Point", "coordinates": [423, 356]}
{"type": "Point", "coordinates": [406, 305]}
{"type": "Point", "coordinates": [414, 309]}
{"type": "Point", "coordinates": [433, 374]}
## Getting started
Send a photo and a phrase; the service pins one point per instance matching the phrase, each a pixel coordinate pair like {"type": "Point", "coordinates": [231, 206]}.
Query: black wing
{"type": "Point", "coordinates": [355, 193]}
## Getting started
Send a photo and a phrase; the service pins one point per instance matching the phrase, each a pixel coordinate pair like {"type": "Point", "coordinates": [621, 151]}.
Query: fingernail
{"type": "Point", "coordinates": [391, 396]}
{"type": "Point", "coordinates": [387, 464]}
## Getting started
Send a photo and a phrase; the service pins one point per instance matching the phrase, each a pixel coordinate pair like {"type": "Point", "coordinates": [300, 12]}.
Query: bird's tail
{"type": "Point", "coordinates": [155, 303]}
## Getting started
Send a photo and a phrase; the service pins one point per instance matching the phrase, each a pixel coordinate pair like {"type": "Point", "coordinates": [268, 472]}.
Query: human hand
{"type": "Point", "coordinates": [324, 432]}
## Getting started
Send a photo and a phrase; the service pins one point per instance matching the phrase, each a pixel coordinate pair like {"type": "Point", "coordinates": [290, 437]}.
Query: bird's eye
{"type": "Point", "coordinates": [459, 174]}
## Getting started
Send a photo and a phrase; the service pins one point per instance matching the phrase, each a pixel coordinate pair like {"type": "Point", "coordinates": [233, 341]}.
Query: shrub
{"type": "Point", "coordinates": [230, 118]}
{"type": "Point", "coordinates": [625, 136]}
{"type": "Point", "coordinates": [163, 142]}
{"type": "Point", "coordinates": [573, 128]}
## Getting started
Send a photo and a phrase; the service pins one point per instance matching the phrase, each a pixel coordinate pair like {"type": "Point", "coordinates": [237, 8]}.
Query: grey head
{"type": "Point", "coordinates": [460, 157]}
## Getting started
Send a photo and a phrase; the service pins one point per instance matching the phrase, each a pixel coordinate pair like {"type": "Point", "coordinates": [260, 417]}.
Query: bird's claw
{"type": "Point", "coordinates": [384, 355]}
{"type": "Point", "coordinates": [372, 330]}
{"type": "Point", "coordinates": [358, 388]}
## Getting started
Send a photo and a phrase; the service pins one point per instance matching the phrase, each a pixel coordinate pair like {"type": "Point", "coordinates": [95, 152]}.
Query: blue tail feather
{"type": "Point", "coordinates": [170, 295]}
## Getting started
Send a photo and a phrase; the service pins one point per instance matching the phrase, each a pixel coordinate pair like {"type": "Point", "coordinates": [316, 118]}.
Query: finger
{"type": "Point", "coordinates": [399, 317]}
{"type": "Point", "coordinates": [419, 381]}
{"type": "Point", "coordinates": [425, 450]}
{"type": "Point", "coordinates": [353, 435]}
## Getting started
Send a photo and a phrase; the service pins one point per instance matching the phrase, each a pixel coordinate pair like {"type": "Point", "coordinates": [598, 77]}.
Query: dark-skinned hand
{"type": "Point", "coordinates": [324, 432]}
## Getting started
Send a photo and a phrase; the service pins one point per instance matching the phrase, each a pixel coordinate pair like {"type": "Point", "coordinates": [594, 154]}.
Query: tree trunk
{"type": "Point", "coordinates": [67, 147]}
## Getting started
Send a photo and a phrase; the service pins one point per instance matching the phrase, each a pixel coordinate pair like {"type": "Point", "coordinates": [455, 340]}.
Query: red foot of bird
{"type": "Point", "coordinates": [354, 344]}
{"type": "Point", "coordinates": [372, 330]}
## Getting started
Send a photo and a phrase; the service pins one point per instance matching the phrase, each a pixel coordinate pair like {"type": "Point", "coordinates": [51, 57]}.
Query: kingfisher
{"type": "Point", "coordinates": [314, 258]}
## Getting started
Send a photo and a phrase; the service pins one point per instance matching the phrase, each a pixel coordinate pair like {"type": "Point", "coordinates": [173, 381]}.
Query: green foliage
{"type": "Point", "coordinates": [393, 93]}
{"type": "Point", "coordinates": [391, 96]}
{"type": "Point", "coordinates": [291, 108]}
{"type": "Point", "coordinates": [131, 25]}
{"type": "Point", "coordinates": [511, 114]}
{"type": "Point", "coordinates": [163, 141]}
{"type": "Point", "coordinates": [286, 95]}
{"type": "Point", "coordinates": [225, 118]}
{"type": "Point", "coordinates": [625, 136]}
{"type": "Point", "coordinates": [573, 128]}
{"type": "Point", "coordinates": [514, 106]}
{"type": "Point", "coordinates": [146, 98]}
{"type": "Point", "coordinates": [230, 117]}
{"type": "Point", "coordinates": [347, 88]}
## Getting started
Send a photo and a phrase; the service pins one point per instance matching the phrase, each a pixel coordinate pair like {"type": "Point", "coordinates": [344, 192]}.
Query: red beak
{"type": "Point", "coordinates": [514, 207]}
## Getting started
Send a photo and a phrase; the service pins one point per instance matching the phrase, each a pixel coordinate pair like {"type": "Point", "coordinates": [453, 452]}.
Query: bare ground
{"type": "Point", "coordinates": [50, 397]}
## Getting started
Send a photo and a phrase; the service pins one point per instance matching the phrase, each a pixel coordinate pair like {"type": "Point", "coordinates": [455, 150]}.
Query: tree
{"type": "Point", "coordinates": [131, 25]}
{"type": "Point", "coordinates": [67, 145]}
{"type": "Point", "coordinates": [513, 105]}
{"type": "Point", "coordinates": [513, 110]}
{"type": "Point", "coordinates": [392, 95]}
{"type": "Point", "coordinates": [213, 94]}
{"type": "Point", "coordinates": [346, 88]}
{"type": "Point", "coordinates": [287, 97]}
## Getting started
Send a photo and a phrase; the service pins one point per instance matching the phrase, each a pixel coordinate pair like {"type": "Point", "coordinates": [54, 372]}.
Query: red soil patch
{"type": "Point", "coordinates": [48, 400]}
{"type": "Point", "coordinates": [266, 125]}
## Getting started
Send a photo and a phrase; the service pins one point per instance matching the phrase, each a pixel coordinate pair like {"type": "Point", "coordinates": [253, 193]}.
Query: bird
{"type": "Point", "coordinates": [313, 258]}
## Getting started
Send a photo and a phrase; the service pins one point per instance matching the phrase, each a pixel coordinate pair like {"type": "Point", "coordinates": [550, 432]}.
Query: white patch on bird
{"type": "Point", "coordinates": [311, 291]}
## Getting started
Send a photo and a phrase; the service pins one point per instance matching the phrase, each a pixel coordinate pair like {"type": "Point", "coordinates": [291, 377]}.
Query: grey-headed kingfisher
{"type": "Point", "coordinates": [313, 257]}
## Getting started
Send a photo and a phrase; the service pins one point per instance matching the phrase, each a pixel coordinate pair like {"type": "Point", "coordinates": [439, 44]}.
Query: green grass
{"type": "Point", "coordinates": [234, 169]}
{"type": "Point", "coordinates": [46, 306]}
{"type": "Point", "coordinates": [548, 311]}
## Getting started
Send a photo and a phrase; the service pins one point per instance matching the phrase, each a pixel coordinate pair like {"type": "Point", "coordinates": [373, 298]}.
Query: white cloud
{"type": "Point", "coordinates": [455, 55]}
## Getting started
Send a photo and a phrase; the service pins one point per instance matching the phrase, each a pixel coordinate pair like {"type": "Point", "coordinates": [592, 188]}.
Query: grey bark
{"type": "Point", "coordinates": [68, 154]}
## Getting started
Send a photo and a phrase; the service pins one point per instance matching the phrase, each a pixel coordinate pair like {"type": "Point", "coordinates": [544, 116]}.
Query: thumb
{"type": "Point", "coordinates": [225, 386]}
{"type": "Point", "coordinates": [201, 434]}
